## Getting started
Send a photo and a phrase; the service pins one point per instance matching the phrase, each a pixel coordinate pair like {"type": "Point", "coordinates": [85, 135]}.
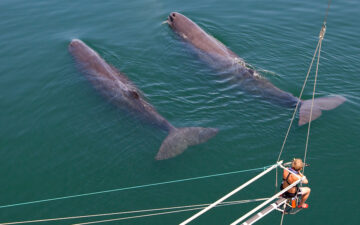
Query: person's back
{"type": "Point", "coordinates": [289, 178]}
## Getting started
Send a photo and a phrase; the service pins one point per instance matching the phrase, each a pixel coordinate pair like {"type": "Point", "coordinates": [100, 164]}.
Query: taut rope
{"type": "Point", "coordinates": [316, 53]}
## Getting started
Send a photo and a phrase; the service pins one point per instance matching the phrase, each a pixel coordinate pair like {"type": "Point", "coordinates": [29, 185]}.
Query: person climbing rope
{"type": "Point", "coordinates": [289, 178]}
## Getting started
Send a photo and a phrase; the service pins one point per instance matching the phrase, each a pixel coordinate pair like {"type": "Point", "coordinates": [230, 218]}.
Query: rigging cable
{"type": "Point", "coordinates": [316, 53]}
{"type": "Point", "coordinates": [321, 37]}
{"type": "Point", "coordinates": [133, 187]}
{"type": "Point", "coordinates": [170, 210]}
{"type": "Point", "coordinates": [318, 50]}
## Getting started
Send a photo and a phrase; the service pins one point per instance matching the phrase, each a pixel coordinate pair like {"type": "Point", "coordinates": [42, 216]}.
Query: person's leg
{"type": "Point", "coordinates": [305, 191]}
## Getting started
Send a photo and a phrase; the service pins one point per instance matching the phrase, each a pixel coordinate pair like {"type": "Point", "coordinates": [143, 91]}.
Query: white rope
{"type": "Point", "coordinates": [133, 217]}
{"type": "Point", "coordinates": [299, 100]}
{"type": "Point", "coordinates": [199, 206]}
{"type": "Point", "coordinates": [321, 36]}
{"type": "Point", "coordinates": [317, 52]}
{"type": "Point", "coordinates": [156, 214]}
{"type": "Point", "coordinates": [295, 110]}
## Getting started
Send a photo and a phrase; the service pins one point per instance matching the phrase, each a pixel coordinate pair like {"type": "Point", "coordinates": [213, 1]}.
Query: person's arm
{"type": "Point", "coordinates": [305, 181]}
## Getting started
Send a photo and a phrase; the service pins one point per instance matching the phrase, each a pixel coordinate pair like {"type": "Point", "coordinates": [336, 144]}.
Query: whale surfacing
{"type": "Point", "coordinates": [218, 56]}
{"type": "Point", "coordinates": [115, 86]}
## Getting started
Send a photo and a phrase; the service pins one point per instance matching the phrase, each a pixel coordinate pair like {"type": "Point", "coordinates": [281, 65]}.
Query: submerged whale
{"type": "Point", "coordinates": [218, 56]}
{"type": "Point", "coordinates": [120, 90]}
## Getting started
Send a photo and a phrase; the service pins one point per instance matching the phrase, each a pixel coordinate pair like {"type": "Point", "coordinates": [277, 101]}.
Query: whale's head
{"type": "Point", "coordinates": [76, 44]}
{"type": "Point", "coordinates": [180, 23]}
{"type": "Point", "coordinates": [171, 18]}
{"type": "Point", "coordinates": [80, 50]}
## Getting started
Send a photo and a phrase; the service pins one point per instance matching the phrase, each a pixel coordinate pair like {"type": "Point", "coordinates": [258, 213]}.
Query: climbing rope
{"type": "Point", "coordinates": [174, 209]}
{"type": "Point", "coordinates": [133, 187]}
{"type": "Point", "coordinates": [294, 113]}
{"type": "Point", "coordinates": [321, 37]}
{"type": "Point", "coordinates": [316, 53]}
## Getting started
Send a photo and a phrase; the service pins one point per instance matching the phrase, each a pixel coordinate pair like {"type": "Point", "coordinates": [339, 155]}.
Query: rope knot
{"type": "Point", "coordinates": [322, 32]}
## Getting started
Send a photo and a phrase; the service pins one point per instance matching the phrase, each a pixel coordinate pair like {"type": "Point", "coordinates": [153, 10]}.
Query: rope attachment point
{"type": "Point", "coordinates": [322, 32]}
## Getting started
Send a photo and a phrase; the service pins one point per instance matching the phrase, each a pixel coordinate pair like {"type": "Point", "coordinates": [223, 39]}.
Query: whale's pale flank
{"type": "Point", "coordinates": [218, 56]}
{"type": "Point", "coordinates": [122, 92]}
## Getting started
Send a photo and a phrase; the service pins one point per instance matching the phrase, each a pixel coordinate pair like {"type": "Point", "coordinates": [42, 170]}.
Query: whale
{"type": "Point", "coordinates": [116, 87]}
{"type": "Point", "coordinates": [222, 59]}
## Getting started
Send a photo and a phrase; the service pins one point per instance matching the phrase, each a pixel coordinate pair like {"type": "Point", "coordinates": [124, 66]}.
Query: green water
{"type": "Point", "coordinates": [58, 137]}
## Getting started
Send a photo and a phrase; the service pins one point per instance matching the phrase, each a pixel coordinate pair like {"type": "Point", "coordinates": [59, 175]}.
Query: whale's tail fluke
{"type": "Point", "coordinates": [325, 103]}
{"type": "Point", "coordinates": [180, 138]}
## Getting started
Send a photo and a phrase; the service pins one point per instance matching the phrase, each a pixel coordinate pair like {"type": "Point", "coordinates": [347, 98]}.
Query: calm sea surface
{"type": "Point", "coordinates": [59, 137]}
